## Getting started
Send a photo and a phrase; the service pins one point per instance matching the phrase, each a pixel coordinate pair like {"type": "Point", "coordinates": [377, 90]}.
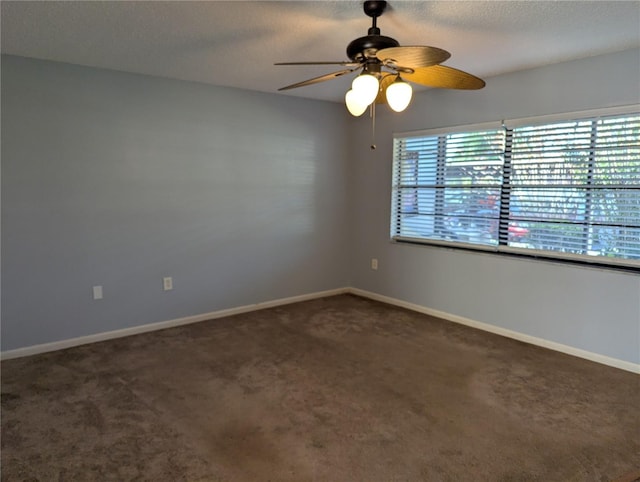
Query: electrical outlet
{"type": "Point", "coordinates": [97, 292]}
{"type": "Point", "coordinates": [374, 263]}
{"type": "Point", "coordinates": [167, 283]}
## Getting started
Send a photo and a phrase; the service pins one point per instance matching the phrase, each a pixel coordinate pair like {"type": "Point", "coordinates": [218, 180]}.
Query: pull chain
{"type": "Point", "coordinates": [372, 113]}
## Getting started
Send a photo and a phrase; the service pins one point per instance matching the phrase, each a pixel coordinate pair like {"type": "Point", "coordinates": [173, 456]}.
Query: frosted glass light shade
{"type": "Point", "coordinates": [355, 107]}
{"type": "Point", "coordinates": [399, 95]}
{"type": "Point", "coordinates": [366, 88]}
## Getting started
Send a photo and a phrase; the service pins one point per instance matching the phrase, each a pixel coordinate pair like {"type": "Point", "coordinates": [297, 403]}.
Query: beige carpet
{"type": "Point", "coordinates": [336, 389]}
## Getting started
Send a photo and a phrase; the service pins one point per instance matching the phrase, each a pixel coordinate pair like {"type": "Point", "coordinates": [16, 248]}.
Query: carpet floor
{"type": "Point", "coordinates": [335, 389]}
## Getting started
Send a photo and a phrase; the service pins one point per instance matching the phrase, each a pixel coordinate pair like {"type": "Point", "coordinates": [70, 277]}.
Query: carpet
{"type": "Point", "coordinates": [335, 389]}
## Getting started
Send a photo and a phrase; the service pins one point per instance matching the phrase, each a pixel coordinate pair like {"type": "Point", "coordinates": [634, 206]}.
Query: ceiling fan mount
{"type": "Point", "coordinates": [374, 8]}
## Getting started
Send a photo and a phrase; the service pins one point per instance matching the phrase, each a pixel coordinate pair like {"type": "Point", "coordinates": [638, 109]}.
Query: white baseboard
{"type": "Point", "coordinates": [134, 330]}
{"type": "Point", "coordinates": [161, 325]}
{"type": "Point", "coordinates": [552, 345]}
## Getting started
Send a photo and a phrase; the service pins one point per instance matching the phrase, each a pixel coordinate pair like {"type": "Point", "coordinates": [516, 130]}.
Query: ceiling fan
{"type": "Point", "coordinates": [385, 66]}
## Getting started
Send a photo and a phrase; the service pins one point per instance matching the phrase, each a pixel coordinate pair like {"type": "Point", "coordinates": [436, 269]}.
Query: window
{"type": "Point", "coordinates": [562, 188]}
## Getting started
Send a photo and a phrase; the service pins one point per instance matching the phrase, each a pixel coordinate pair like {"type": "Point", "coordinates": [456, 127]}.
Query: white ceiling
{"type": "Point", "coordinates": [236, 43]}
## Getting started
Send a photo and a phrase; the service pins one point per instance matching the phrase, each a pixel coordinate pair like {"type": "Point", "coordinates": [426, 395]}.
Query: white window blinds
{"type": "Point", "coordinates": [562, 189]}
{"type": "Point", "coordinates": [447, 186]}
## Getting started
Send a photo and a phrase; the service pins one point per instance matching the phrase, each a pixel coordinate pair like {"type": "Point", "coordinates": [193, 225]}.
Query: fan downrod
{"type": "Point", "coordinates": [365, 47]}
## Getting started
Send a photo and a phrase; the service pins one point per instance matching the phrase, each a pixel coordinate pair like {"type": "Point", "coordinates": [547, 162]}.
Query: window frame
{"type": "Point", "coordinates": [503, 248]}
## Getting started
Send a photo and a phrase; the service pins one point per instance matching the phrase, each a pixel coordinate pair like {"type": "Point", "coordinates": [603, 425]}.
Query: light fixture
{"type": "Point", "coordinates": [363, 93]}
{"type": "Point", "coordinates": [399, 95]}
{"type": "Point", "coordinates": [356, 108]}
{"type": "Point", "coordinates": [366, 88]}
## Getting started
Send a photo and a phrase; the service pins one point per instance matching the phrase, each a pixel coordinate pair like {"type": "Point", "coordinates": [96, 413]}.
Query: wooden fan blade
{"type": "Point", "coordinates": [445, 78]}
{"type": "Point", "coordinates": [347, 63]}
{"type": "Point", "coordinates": [385, 82]}
{"type": "Point", "coordinates": [315, 80]}
{"type": "Point", "coordinates": [412, 57]}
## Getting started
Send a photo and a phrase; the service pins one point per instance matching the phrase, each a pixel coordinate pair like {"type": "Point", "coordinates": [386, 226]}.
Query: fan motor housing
{"type": "Point", "coordinates": [358, 48]}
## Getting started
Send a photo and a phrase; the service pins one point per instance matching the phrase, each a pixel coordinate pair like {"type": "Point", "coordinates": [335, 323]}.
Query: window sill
{"type": "Point", "coordinates": [618, 265]}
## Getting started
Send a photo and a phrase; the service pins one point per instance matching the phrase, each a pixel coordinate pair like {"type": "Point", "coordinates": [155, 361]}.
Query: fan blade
{"type": "Point", "coordinates": [347, 63]}
{"type": "Point", "coordinates": [444, 77]}
{"type": "Point", "coordinates": [412, 57]}
{"type": "Point", "coordinates": [315, 80]}
{"type": "Point", "coordinates": [385, 82]}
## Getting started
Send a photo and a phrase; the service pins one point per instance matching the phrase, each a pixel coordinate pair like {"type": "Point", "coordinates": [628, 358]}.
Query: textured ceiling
{"type": "Point", "coordinates": [236, 43]}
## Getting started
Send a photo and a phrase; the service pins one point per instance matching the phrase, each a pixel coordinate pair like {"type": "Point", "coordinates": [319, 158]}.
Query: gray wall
{"type": "Point", "coordinates": [587, 308]}
{"type": "Point", "coordinates": [118, 180]}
